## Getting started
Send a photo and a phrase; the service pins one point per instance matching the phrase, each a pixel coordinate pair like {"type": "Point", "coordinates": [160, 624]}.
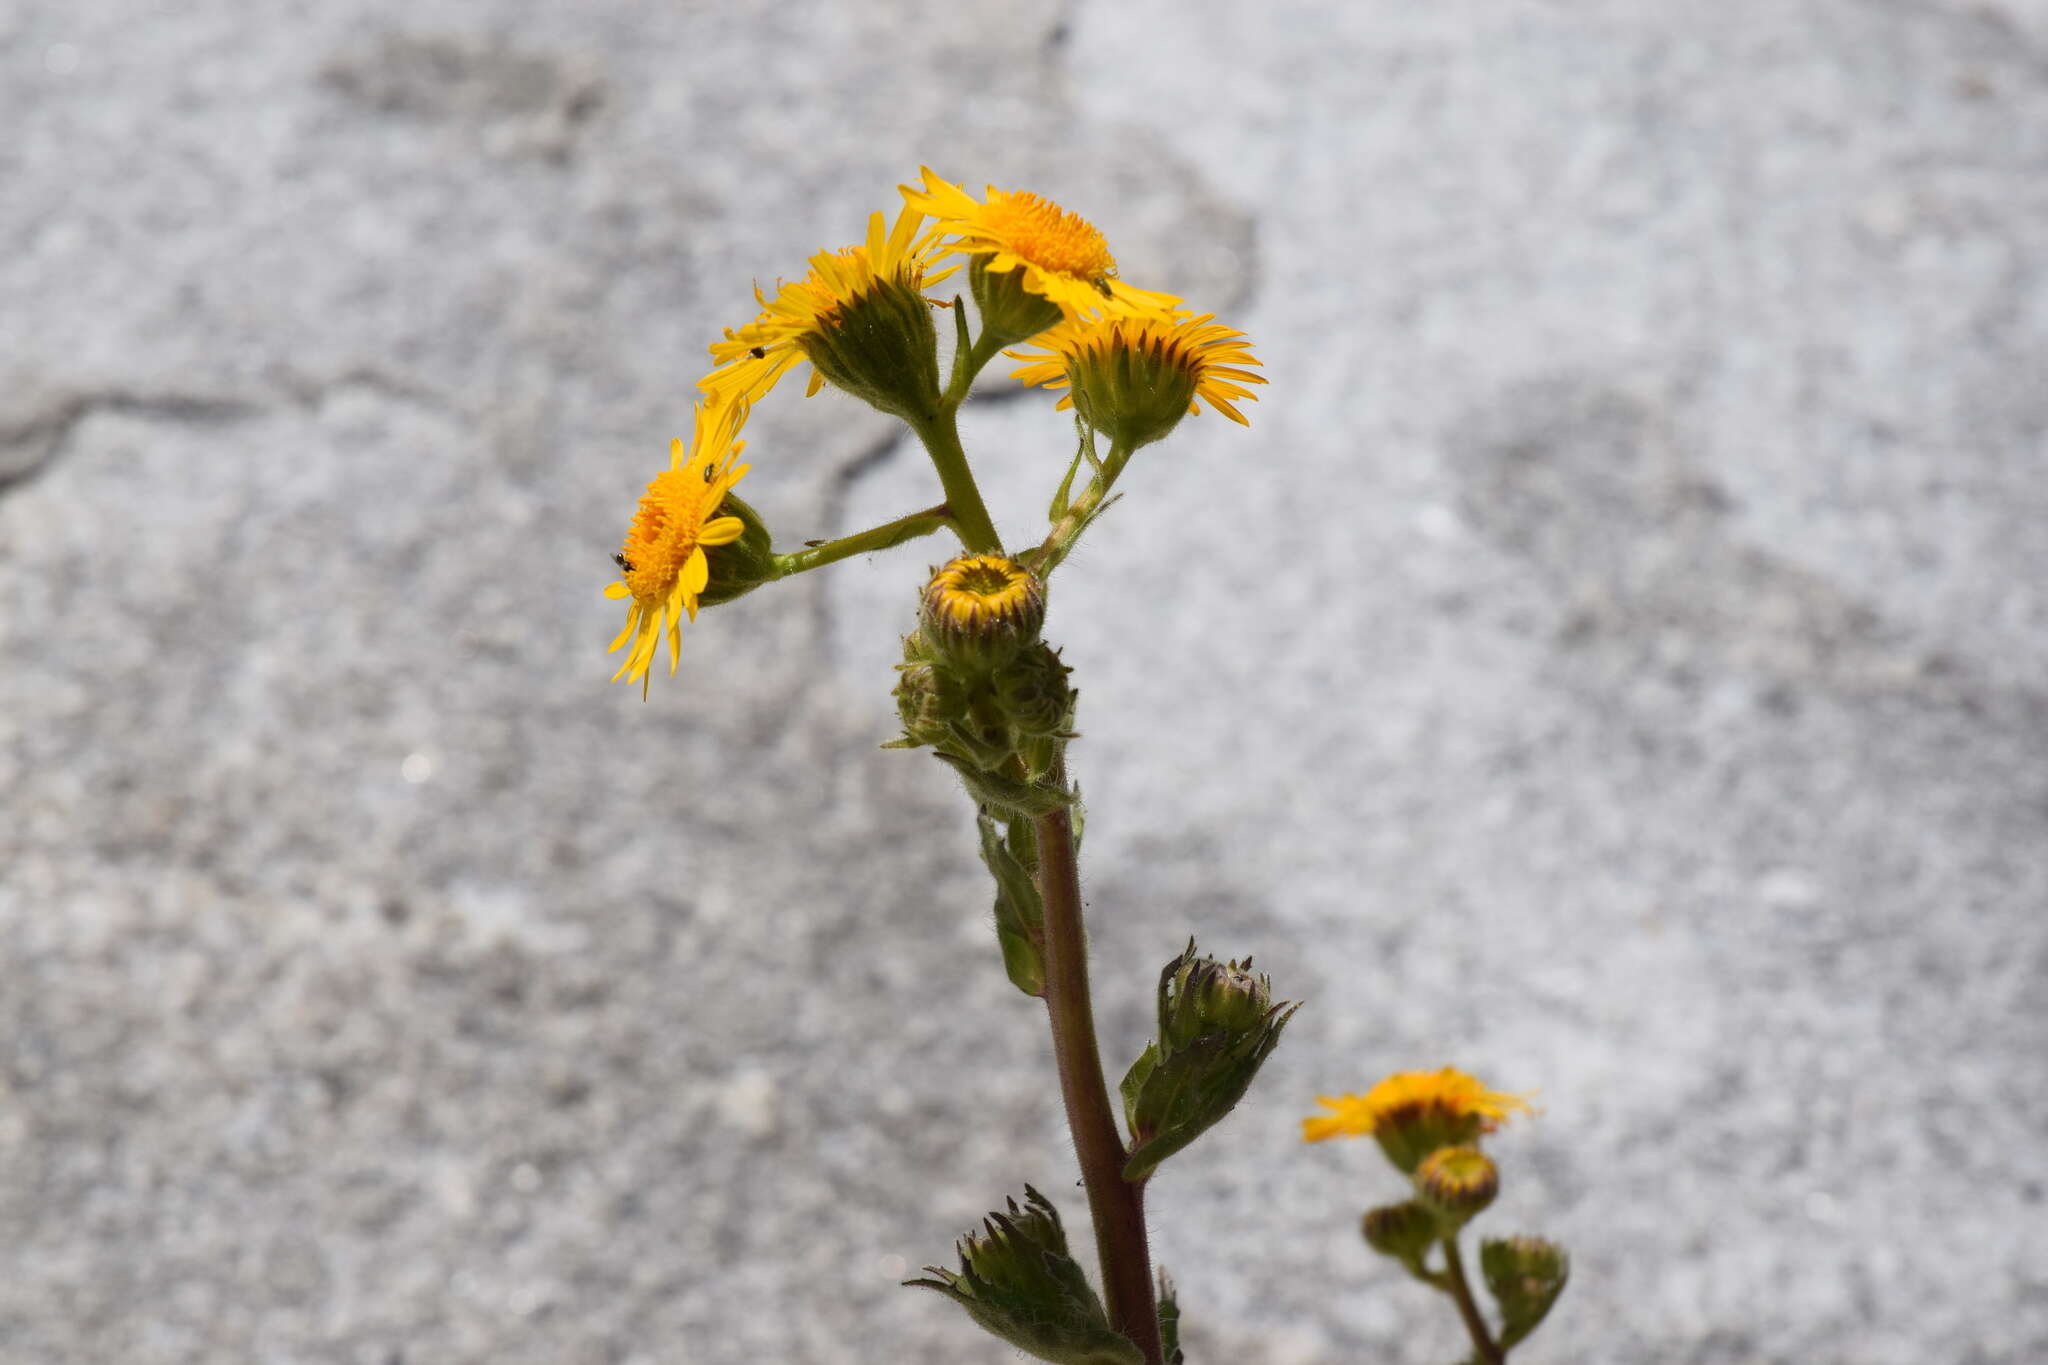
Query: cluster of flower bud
{"type": "Point", "coordinates": [978, 686]}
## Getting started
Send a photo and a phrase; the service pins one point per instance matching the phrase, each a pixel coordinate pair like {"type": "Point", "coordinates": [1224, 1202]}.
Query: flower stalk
{"type": "Point", "coordinates": [1460, 1290]}
{"type": "Point", "coordinates": [940, 434]}
{"type": "Point", "coordinates": [1117, 1205]}
{"type": "Point", "coordinates": [884, 537]}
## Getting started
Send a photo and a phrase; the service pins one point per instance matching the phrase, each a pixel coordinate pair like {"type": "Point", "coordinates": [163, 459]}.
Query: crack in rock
{"type": "Point", "coordinates": [31, 444]}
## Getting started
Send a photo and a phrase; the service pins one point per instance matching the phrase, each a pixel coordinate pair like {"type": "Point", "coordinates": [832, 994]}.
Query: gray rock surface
{"type": "Point", "coordinates": [1612, 662]}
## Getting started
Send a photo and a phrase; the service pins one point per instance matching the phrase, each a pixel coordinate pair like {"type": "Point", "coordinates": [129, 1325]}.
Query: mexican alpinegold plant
{"type": "Point", "coordinates": [981, 688]}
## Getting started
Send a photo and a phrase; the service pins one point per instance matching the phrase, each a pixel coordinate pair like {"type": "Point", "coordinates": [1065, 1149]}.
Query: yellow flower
{"type": "Point", "coordinates": [753, 358]}
{"type": "Point", "coordinates": [1062, 256]}
{"type": "Point", "coordinates": [1101, 357]}
{"type": "Point", "coordinates": [978, 594]}
{"type": "Point", "coordinates": [662, 564]}
{"type": "Point", "coordinates": [1414, 1113]}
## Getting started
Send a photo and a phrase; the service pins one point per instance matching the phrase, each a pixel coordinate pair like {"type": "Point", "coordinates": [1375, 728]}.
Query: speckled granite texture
{"type": "Point", "coordinates": [1612, 661]}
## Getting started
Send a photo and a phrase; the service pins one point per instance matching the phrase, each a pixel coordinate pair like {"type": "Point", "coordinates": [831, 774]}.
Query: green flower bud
{"type": "Point", "coordinates": [1017, 1281]}
{"type": "Point", "coordinates": [1525, 1275]}
{"type": "Point", "coordinates": [1032, 692]}
{"type": "Point", "coordinates": [930, 700]}
{"type": "Point", "coordinates": [1199, 995]}
{"type": "Point", "coordinates": [1457, 1182]}
{"type": "Point", "coordinates": [1217, 1025]}
{"type": "Point", "coordinates": [1010, 313]}
{"type": "Point", "coordinates": [881, 348]}
{"type": "Point", "coordinates": [745, 564]}
{"type": "Point", "coordinates": [980, 611]}
{"type": "Point", "coordinates": [1404, 1231]}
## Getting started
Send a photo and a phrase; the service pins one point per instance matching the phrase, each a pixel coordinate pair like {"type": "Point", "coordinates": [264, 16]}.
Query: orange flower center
{"type": "Point", "coordinates": [665, 529]}
{"type": "Point", "coordinates": [1047, 235]}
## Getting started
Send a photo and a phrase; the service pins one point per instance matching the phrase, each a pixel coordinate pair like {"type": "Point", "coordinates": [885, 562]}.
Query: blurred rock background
{"type": "Point", "coordinates": [1612, 662]}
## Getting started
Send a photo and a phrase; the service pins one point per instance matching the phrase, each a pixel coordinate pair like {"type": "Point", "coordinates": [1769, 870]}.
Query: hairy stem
{"type": "Point", "coordinates": [1117, 1205]}
{"type": "Point", "coordinates": [1460, 1290]}
{"type": "Point", "coordinates": [941, 437]}
{"type": "Point", "coordinates": [1061, 538]}
{"type": "Point", "coordinates": [865, 542]}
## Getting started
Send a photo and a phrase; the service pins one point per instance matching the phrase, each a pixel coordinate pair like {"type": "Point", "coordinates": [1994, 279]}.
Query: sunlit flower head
{"type": "Point", "coordinates": [1152, 353]}
{"type": "Point", "coordinates": [751, 359]}
{"type": "Point", "coordinates": [1062, 256]}
{"type": "Point", "coordinates": [663, 566]}
{"type": "Point", "coordinates": [1413, 1113]}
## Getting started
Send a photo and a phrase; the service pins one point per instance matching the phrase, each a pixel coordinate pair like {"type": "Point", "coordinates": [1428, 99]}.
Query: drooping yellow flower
{"type": "Point", "coordinates": [663, 566]}
{"type": "Point", "coordinates": [1064, 259]}
{"type": "Point", "coordinates": [1414, 1113]}
{"type": "Point", "coordinates": [1116, 359]}
{"type": "Point", "coordinates": [751, 359]}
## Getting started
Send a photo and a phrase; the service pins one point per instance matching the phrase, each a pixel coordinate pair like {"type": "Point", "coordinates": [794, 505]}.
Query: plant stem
{"type": "Point", "coordinates": [1117, 1205]}
{"type": "Point", "coordinates": [941, 437]}
{"type": "Point", "coordinates": [1460, 1290]}
{"type": "Point", "coordinates": [865, 542]}
{"type": "Point", "coordinates": [1061, 538]}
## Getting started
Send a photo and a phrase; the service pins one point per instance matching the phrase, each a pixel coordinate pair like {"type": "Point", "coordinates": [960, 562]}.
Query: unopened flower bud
{"type": "Point", "coordinates": [1217, 1024]}
{"type": "Point", "coordinates": [980, 611]}
{"type": "Point", "coordinates": [1404, 1231]}
{"type": "Point", "coordinates": [1032, 692]}
{"type": "Point", "coordinates": [1525, 1275]}
{"type": "Point", "coordinates": [930, 700]}
{"type": "Point", "coordinates": [1200, 995]}
{"type": "Point", "coordinates": [1457, 1182]}
{"type": "Point", "coordinates": [1018, 1282]}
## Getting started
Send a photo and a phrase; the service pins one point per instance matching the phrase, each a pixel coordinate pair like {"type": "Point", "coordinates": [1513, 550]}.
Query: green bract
{"type": "Point", "coordinates": [1018, 1282]}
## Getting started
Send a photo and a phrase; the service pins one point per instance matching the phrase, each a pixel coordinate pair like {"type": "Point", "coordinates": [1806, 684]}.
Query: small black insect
{"type": "Point", "coordinates": [758, 353]}
{"type": "Point", "coordinates": [625, 564]}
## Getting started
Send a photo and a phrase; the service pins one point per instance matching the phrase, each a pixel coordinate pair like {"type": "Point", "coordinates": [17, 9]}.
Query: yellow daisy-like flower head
{"type": "Point", "coordinates": [1056, 255]}
{"type": "Point", "coordinates": [1414, 1113]}
{"type": "Point", "coordinates": [663, 565]}
{"type": "Point", "coordinates": [980, 611]}
{"type": "Point", "coordinates": [1133, 378]}
{"type": "Point", "coordinates": [860, 317]}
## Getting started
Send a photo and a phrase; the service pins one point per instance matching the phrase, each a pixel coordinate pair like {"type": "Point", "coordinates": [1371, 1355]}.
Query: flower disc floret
{"type": "Point", "coordinates": [1062, 256]}
{"type": "Point", "coordinates": [753, 358]}
{"type": "Point", "coordinates": [663, 565]}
